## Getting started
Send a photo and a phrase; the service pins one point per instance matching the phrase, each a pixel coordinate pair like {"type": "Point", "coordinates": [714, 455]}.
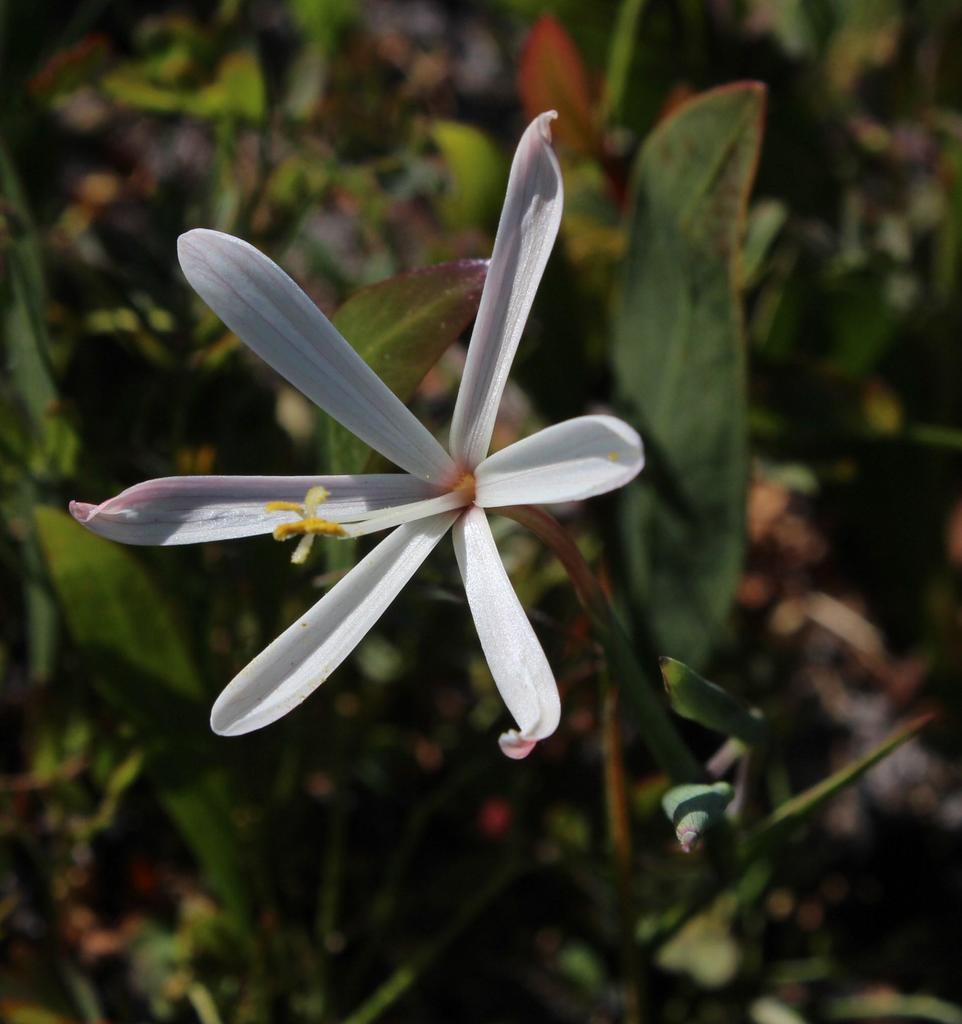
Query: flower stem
{"type": "Point", "coordinates": [659, 732]}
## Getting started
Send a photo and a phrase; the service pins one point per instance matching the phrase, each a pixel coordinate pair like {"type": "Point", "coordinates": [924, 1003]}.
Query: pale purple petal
{"type": "Point", "coordinates": [517, 662]}
{"type": "Point", "coordinates": [526, 233]}
{"type": "Point", "coordinates": [569, 461]}
{"type": "Point", "coordinates": [193, 509]}
{"type": "Point", "coordinates": [305, 654]}
{"type": "Point", "coordinates": [269, 312]}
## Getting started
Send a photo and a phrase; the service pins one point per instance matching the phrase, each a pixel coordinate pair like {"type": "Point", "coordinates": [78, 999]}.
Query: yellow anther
{"type": "Point", "coordinates": [613, 456]}
{"type": "Point", "coordinates": [311, 525]}
{"type": "Point", "coordinates": [308, 526]}
{"type": "Point", "coordinates": [284, 506]}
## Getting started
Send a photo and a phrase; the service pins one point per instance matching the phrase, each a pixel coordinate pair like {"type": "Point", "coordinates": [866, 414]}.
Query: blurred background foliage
{"type": "Point", "coordinates": [764, 278]}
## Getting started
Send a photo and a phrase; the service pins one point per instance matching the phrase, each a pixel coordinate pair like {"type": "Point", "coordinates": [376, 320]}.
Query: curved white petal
{"type": "Point", "coordinates": [193, 509]}
{"type": "Point", "coordinates": [270, 313]}
{"type": "Point", "coordinates": [306, 653]}
{"type": "Point", "coordinates": [566, 462]}
{"type": "Point", "coordinates": [526, 233]}
{"type": "Point", "coordinates": [520, 669]}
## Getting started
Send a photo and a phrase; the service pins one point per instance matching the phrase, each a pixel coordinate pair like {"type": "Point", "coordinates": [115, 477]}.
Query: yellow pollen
{"type": "Point", "coordinates": [613, 456]}
{"type": "Point", "coordinates": [309, 525]}
{"type": "Point", "coordinates": [284, 506]}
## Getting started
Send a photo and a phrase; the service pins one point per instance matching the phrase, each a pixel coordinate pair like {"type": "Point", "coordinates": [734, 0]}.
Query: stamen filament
{"type": "Point", "coordinates": [390, 517]}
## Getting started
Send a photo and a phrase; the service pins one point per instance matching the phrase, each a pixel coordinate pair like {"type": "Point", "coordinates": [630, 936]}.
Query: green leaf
{"type": "Point", "coordinates": [705, 948]}
{"type": "Point", "coordinates": [142, 667]}
{"type": "Point", "coordinates": [694, 808]}
{"type": "Point", "coordinates": [24, 301]}
{"type": "Point", "coordinates": [624, 37]}
{"type": "Point", "coordinates": [324, 24]}
{"type": "Point", "coordinates": [875, 1006]}
{"type": "Point", "coordinates": [765, 222]}
{"type": "Point", "coordinates": [708, 704]}
{"type": "Point", "coordinates": [478, 172]}
{"type": "Point", "coordinates": [768, 1010]}
{"type": "Point", "coordinates": [46, 449]}
{"type": "Point", "coordinates": [791, 815]}
{"type": "Point", "coordinates": [680, 362]}
{"type": "Point", "coordinates": [237, 91]}
{"type": "Point", "coordinates": [400, 327]}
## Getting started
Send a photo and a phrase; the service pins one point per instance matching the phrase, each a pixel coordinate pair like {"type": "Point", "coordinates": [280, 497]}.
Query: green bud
{"type": "Point", "coordinates": [694, 808]}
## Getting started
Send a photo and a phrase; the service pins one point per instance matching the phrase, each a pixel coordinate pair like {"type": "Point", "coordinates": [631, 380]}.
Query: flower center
{"type": "Point", "coordinates": [465, 485]}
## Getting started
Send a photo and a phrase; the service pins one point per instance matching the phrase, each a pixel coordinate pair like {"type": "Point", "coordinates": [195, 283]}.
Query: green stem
{"type": "Point", "coordinates": [659, 732]}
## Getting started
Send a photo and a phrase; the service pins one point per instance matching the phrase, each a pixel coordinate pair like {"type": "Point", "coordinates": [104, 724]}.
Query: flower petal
{"type": "Point", "coordinates": [566, 462]}
{"type": "Point", "coordinates": [270, 313]}
{"type": "Point", "coordinates": [515, 657]}
{"type": "Point", "coordinates": [526, 233]}
{"type": "Point", "coordinates": [306, 653]}
{"type": "Point", "coordinates": [192, 509]}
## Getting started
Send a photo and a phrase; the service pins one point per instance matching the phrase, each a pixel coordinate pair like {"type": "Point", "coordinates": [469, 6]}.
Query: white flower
{"type": "Point", "coordinates": [438, 490]}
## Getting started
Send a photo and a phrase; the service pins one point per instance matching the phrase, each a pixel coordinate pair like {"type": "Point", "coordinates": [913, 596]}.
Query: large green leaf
{"type": "Point", "coordinates": [141, 665]}
{"type": "Point", "coordinates": [680, 363]}
{"type": "Point", "coordinates": [401, 327]}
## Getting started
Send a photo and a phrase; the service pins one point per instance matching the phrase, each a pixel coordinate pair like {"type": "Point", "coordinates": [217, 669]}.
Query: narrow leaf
{"type": "Point", "coordinates": [766, 220]}
{"type": "Point", "coordinates": [24, 322]}
{"type": "Point", "coordinates": [552, 76]}
{"type": "Point", "coordinates": [620, 54]}
{"type": "Point", "coordinates": [787, 818]}
{"type": "Point", "coordinates": [680, 363]}
{"type": "Point", "coordinates": [708, 704]}
{"type": "Point", "coordinates": [23, 328]}
{"type": "Point", "coordinates": [876, 1006]}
